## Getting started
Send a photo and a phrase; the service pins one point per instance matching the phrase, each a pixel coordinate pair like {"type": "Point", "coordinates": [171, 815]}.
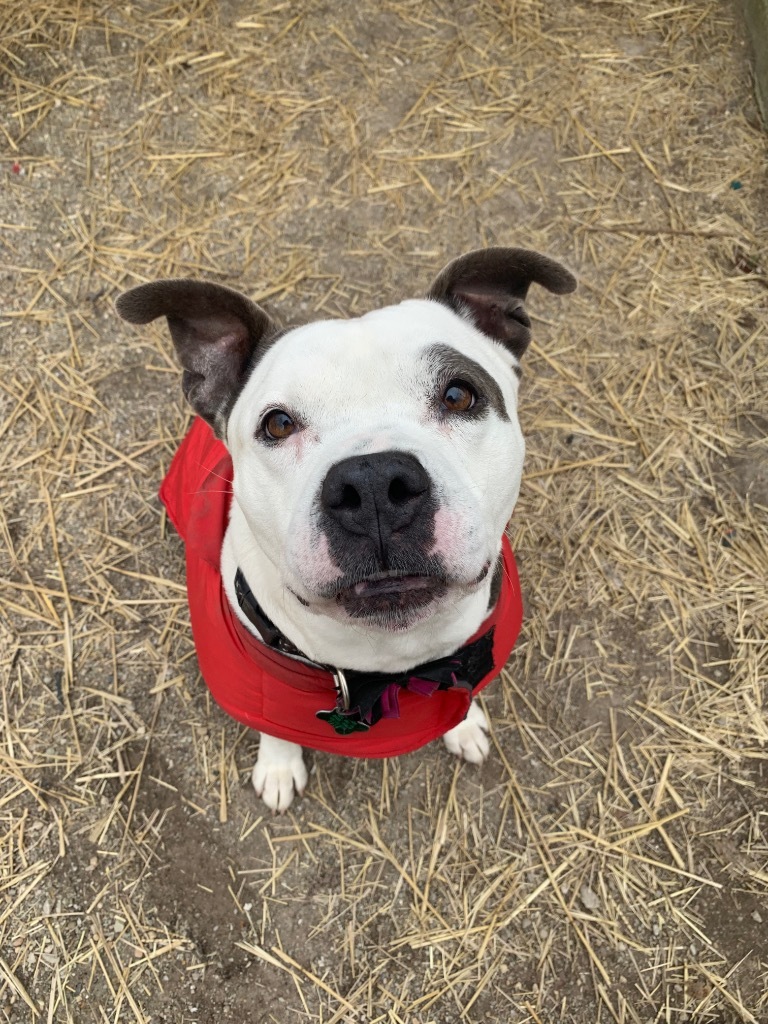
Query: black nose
{"type": "Point", "coordinates": [377, 495]}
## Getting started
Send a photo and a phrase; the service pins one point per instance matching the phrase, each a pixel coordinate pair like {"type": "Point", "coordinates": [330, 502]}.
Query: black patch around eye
{"type": "Point", "coordinates": [451, 366]}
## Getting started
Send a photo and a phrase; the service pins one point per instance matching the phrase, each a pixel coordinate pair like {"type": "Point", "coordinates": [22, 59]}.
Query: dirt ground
{"type": "Point", "coordinates": [609, 863]}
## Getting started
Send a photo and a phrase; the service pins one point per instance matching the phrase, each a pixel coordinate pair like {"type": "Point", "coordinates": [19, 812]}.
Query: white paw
{"type": "Point", "coordinates": [279, 772]}
{"type": "Point", "coordinates": [469, 740]}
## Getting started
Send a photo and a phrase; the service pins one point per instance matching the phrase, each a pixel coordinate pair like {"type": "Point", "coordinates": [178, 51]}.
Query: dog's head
{"type": "Point", "coordinates": [376, 460]}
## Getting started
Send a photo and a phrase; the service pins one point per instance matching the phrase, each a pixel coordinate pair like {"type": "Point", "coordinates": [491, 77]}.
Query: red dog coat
{"type": "Point", "coordinates": [270, 691]}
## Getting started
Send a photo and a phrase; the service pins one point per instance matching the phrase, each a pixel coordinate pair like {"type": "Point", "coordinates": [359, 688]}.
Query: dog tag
{"type": "Point", "coordinates": [341, 723]}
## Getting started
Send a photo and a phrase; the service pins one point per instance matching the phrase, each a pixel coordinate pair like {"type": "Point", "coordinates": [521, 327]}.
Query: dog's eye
{"type": "Point", "coordinates": [459, 396]}
{"type": "Point", "coordinates": [277, 425]}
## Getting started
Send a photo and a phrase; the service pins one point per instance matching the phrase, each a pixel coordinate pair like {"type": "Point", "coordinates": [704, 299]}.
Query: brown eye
{"type": "Point", "coordinates": [277, 425]}
{"type": "Point", "coordinates": [459, 396]}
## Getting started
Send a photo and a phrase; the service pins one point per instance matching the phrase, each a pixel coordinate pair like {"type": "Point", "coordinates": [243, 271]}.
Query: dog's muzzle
{"type": "Point", "coordinates": [378, 515]}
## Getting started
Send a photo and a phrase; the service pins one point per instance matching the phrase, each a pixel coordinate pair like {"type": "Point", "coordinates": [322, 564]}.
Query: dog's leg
{"type": "Point", "coordinates": [279, 772]}
{"type": "Point", "coordinates": [469, 740]}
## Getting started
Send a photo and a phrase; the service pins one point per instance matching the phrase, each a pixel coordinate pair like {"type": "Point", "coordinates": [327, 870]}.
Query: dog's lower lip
{"type": "Point", "coordinates": [380, 586]}
{"type": "Point", "coordinates": [390, 600]}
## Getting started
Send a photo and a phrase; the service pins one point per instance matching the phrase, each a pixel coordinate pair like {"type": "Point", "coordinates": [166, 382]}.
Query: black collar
{"type": "Point", "coordinates": [266, 630]}
{"type": "Point", "coordinates": [362, 698]}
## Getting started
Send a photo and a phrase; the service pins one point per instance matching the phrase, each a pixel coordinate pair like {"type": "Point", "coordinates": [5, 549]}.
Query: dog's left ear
{"type": "Point", "coordinates": [491, 285]}
{"type": "Point", "coordinates": [216, 331]}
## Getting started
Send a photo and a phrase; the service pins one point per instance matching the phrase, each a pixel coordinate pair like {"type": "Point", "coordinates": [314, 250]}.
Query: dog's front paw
{"type": "Point", "coordinates": [469, 740]}
{"type": "Point", "coordinates": [279, 772]}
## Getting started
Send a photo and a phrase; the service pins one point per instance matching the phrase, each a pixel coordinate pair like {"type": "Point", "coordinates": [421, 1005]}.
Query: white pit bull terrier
{"type": "Point", "coordinates": [358, 555]}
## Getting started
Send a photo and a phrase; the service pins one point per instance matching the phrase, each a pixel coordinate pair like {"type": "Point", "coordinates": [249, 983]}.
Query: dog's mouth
{"type": "Point", "coordinates": [390, 583]}
{"type": "Point", "coordinates": [392, 595]}
{"type": "Point", "coordinates": [395, 600]}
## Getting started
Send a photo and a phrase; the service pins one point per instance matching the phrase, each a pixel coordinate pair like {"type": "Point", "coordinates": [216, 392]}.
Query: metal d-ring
{"type": "Point", "coordinates": [341, 687]}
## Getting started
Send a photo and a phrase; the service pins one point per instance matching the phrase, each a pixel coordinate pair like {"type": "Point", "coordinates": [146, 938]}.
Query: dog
{"type": "Point", "coordinates": [343, 496]}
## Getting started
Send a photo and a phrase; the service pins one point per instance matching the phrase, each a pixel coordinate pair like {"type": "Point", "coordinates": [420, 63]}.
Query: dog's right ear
{"type": "Point", "coordinates": [216, 332]}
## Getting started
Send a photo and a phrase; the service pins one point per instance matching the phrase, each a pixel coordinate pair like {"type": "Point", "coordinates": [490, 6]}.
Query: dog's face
{"type": "Point", "coordinates": [377, 460]}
